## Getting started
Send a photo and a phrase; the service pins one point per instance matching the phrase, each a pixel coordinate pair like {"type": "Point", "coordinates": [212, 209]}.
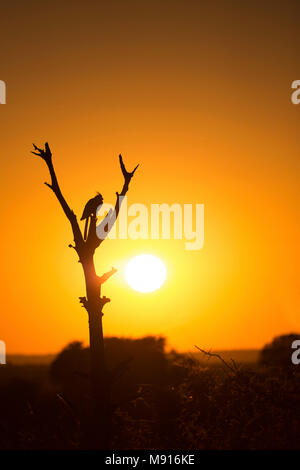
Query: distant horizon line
{"type": "Point", "coordinates": [168, 350]}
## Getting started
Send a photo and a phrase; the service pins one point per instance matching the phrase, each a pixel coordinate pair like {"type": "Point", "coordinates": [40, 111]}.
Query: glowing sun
{"type": "Point", "coordinates": [145, 273]}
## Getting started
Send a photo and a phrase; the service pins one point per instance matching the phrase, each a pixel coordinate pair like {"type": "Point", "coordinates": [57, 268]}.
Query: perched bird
{"type": "Point", "coordinates": [90, 210]}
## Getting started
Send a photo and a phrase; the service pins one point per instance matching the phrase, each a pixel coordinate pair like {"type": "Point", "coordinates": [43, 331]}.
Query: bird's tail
{"type": "Point", "coordinates": [86, 228]}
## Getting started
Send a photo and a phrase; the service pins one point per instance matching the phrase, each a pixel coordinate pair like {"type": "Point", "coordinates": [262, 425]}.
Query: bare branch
{"type": "Point", "coordinates": [46, 155]}
{"type": "Point", "coordinates": [110, 219]}
{"type": "Point", "coordinates": [107, 275]}
{"type": "Point", "coordinates": [127, 178]}
{"type": "Point", "coordinates": [126, 174]}
{"type": "Point", "coordinates": [208, 353]}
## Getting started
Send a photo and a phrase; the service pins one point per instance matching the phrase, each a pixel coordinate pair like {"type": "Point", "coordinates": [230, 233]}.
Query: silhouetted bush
{"type": "Point", "coordinates": [161, 401]}
{"type": "Point", "coordinates": [278, 353]}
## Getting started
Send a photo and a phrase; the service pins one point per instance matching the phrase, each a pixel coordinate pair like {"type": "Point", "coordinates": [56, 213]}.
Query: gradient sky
{"type": "Point", "coordinates": [199, 94]}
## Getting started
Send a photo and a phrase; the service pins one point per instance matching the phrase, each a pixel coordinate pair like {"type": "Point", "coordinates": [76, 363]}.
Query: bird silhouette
{"type": "Point", "coordinates": [90, 209]}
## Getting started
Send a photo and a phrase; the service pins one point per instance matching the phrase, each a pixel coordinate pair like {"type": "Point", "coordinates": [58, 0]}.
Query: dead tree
{"type": "Point", "coordinates": [93, 302]}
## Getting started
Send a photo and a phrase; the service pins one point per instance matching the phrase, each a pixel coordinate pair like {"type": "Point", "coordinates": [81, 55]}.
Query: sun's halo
{"type": "Point", "coordinates": [145, 273]}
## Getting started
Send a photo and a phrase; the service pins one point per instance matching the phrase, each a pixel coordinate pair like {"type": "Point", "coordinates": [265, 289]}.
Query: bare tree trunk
{"type": "Point", "coordinates": [97, 432]}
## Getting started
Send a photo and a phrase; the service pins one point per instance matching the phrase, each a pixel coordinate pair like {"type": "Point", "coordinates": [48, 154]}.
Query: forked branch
{"type": "Point", "coordinates": [127, 178]}
{"type": "Point", "coordinates": [232, 368]}
{"type": "Point", "coordinates": [93, 241]}
{"type": "Point", "coordinates": [108, 222]}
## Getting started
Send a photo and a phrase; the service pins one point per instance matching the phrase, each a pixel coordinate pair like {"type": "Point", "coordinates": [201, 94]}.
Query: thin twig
{"type": "Point", "coordinates": [207, 353]}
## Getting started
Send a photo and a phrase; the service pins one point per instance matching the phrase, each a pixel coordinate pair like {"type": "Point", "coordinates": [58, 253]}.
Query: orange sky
{"type": "Point", "coordinates": [199, 94]}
